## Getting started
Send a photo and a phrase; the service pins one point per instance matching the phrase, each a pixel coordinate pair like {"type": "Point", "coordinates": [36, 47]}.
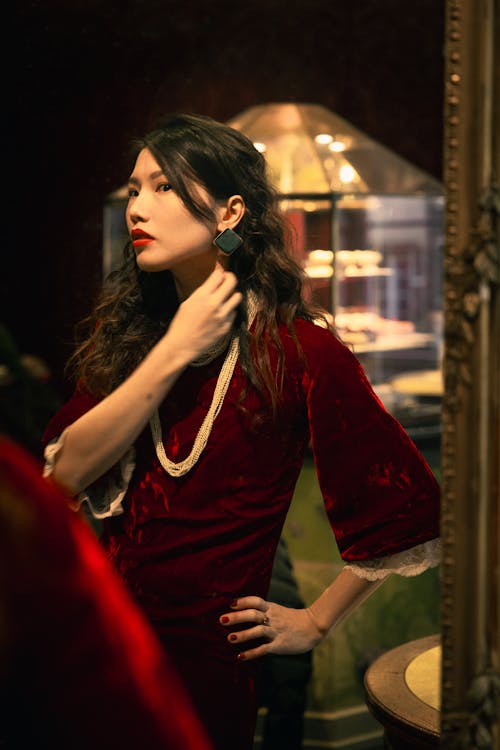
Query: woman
{"type": "Point", "coordinates": [193, 503]}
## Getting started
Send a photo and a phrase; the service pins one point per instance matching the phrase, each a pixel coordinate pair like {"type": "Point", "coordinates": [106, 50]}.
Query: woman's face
{"type": "Point", "coordinates": [165, 235]}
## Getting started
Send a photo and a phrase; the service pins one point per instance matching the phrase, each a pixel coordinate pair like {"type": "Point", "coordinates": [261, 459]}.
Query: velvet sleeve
{"type": "Point", "coordinates": [380, 494]}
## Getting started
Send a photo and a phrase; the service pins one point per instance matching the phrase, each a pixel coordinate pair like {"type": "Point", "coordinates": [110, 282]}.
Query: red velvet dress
{"type": "Point", "coordinates": [187, 546]}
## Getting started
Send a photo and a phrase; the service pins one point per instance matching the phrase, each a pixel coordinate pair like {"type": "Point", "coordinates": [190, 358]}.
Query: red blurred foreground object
{"type": "Point", "coordinates": [79, 665]}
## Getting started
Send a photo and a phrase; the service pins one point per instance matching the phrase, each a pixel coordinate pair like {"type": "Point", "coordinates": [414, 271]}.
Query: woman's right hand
{"type": "Point", "coordinates": [206, 315]}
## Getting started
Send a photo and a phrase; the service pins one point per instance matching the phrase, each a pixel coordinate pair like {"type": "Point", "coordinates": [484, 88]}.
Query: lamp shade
{"type": "Point", "coordinates": [309, 149]}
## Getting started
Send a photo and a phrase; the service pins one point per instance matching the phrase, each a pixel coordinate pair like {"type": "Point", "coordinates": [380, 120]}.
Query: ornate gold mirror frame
{"type": "Point", "coordinates": [470, 598]}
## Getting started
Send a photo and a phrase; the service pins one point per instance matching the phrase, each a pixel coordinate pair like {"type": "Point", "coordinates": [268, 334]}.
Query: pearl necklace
{"type": "Point", "coordinates": [225, 375]}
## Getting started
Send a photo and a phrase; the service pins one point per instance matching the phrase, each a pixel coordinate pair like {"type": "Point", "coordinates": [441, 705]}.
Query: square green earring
{"type": "Point", "coordinates": [228, 241]}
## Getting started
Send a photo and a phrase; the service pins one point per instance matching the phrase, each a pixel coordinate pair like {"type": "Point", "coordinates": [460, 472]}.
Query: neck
{"type": "Point", "coordinates": [190, 275]}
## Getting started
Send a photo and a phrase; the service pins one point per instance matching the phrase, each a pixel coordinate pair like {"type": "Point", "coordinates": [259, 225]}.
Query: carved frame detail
{"type": "Point", "coordinates": [470, 520]}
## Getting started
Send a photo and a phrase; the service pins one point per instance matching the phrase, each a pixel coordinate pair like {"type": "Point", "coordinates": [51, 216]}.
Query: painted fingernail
{"type": "Point", "coordinates": [224, 619]}
{"type": "Point", "coordinates": [233, 637]}
{"type": "Point", "coordinates": [234, 603]}
{"type": "Point", "coordinates": [241, 657]}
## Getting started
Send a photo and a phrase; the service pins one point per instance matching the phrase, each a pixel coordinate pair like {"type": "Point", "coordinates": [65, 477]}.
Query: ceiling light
{"type": "Point", "coordinates": [337, 146]}
{"type": "Point", "coordinates": [324, 138]}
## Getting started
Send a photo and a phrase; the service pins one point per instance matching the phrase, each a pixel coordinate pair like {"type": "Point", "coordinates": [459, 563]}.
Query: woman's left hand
{"type": "Point", "coordinates": [286, 630]}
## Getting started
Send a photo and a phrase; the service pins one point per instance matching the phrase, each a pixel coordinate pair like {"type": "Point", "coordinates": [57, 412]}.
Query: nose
{"type": "Point", "coordinates": [137, 208]}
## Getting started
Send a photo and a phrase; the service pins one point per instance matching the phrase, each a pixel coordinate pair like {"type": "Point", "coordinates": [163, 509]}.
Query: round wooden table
{"type": "Point", "coordinates": [402, 690]}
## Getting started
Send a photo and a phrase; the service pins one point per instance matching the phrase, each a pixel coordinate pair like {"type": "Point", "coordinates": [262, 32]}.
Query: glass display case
{"type": "Point", "coordinates": [368, 228]}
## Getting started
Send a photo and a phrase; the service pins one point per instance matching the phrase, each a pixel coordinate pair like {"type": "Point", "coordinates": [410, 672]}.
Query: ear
{"type": "Point", "coordinates": [230, 213]}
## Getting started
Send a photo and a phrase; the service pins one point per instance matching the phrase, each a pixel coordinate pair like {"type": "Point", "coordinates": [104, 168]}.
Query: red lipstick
{"type": "Point", "coordinates": [140, 238]}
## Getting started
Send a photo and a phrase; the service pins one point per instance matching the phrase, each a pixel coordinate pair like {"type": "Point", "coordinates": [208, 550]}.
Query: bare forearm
{"type": "Point", "coordinates": [98, 439]}
{"type": "Point", "coordinates": [341, 597]}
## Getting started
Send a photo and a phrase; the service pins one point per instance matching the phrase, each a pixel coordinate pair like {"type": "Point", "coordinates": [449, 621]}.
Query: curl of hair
{"type": "Point", "coordinates": [134, 307]}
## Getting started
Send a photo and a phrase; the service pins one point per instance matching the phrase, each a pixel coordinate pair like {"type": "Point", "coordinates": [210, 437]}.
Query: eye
{"type": "Point", "coordinates": [164, 187]}
{"type": "Point", "coordinates": [132, 192]}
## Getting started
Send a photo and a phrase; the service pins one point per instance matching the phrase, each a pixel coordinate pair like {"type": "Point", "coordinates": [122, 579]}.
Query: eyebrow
{"type": "Point", "coordinates": [153, 176]}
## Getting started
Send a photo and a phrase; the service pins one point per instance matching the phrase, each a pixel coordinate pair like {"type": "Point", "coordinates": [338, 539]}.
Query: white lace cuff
{"type": "Point", "coordinates": [410, 562]}
{"type": "Point", "coordinates": [104, 496]}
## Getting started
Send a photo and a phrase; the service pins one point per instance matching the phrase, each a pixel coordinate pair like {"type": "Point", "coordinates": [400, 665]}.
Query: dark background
{"type": "Point", "coordinates": [91, 74]}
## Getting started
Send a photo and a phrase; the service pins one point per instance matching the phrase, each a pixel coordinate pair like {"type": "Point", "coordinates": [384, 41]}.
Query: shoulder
{"type": "Point", "coordinates": [80, 402]}
{"type": "Point", "coordinates": [319, 344]}
{"type": "Point", "coordinates": [324, 360]}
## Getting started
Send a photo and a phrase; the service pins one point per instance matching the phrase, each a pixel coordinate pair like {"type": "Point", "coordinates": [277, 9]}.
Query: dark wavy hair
{"type": "Point", "coordinates": [134, 307]}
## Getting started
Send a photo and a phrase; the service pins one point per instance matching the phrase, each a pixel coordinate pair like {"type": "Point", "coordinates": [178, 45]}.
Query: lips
{"type": "Point", "coordinates": [140, 238]}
